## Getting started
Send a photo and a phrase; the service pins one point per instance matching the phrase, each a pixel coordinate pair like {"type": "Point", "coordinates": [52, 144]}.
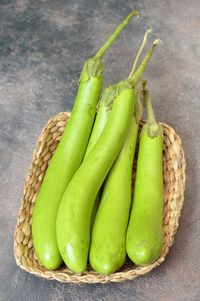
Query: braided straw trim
{"type": "Point", "coordinates": [174, 184]}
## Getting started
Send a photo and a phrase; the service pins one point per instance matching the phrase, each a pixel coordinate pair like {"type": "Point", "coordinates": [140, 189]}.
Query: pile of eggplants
{"type": "Point", "coordinates": [87, 211]}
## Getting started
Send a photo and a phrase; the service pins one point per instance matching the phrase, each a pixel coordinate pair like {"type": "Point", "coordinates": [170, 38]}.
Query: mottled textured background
{"type": "Point", "coordinates": [43, 45]}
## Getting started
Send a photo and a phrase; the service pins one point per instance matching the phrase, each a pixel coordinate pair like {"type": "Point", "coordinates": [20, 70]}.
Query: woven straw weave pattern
{"type": "Point", "coordinates": [174, 185]}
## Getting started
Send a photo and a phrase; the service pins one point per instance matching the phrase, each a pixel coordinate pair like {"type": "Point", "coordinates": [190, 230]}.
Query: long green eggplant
{"type": "Point", "coordinates": [144, 240]}
{"type": "Point", "coordinates": [103, 112]}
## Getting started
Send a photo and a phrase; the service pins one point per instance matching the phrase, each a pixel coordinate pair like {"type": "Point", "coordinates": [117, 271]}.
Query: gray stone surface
{"type": "Point", "coordinates": [43, 45]}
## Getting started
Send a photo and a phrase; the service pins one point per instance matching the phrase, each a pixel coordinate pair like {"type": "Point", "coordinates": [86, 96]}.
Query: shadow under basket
{"type": "Point", "coordinates": [174, 185]}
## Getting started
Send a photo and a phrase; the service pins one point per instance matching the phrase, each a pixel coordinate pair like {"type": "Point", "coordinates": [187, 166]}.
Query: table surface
{"type": "Point", "coordinates": [43, 45]}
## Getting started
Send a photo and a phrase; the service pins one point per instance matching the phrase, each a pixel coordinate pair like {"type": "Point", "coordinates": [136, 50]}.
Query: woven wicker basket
{"type": "Point", "coordinates": [174, 182]}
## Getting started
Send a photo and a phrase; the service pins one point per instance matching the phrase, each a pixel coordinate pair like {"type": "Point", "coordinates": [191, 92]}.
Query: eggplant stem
{"type": "Point", "coordinates": [145, 38]}
{"type": "Point", "coordinates": [115, 34]}
{"type": "Point", "coordinates": [138, 73]}
{"type": "Point", "coordinates": [148, 104]}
